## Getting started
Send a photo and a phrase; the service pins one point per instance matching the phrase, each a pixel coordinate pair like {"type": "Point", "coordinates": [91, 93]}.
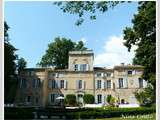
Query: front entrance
{"type": "Point", "coordinates": [80, 98]}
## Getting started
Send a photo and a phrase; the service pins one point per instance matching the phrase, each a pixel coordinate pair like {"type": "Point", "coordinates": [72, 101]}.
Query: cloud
{"type": "Point", "coordinates": [114, 53]}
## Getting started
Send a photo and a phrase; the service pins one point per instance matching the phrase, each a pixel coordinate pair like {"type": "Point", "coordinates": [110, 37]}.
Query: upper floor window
{"type": "Point", "coordinates": [108, 74]}
{"type": "Point", "coordinates": [62, 84]}
{"type": "Point", "coordinates": [120, 82]}
{"type": "Point", "coordinates": [108, 83]}
{"type": "Point", "coordinates": [83, 67]}
{"type": "Point", "coordinates": [80, 84]}
{"type": "Point", "coordinates": [52, 84]}
{"type": "Point", "coordinates": [99, 84]}
{"type": "Point", "coordinates": [99, 74]}
{"type": "Point", "coordinates": [140, 82]}
{"type": "Point", "coordinates": [23, 83]}
{"type": "Point", "coordinates": [129, 72]}
{"type": "Point", "coordinates": [76, 67]}
{"type": "Point", "coordinates": [36, 83]}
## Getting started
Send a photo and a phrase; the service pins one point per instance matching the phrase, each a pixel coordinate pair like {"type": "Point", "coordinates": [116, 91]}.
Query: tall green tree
{"type": "Point", "coordinates": [143, 35]}
{"type": "Point", "coordinates": [10, 77]}
{"type": "Point", "coordinates": [57, 52]}
{"type": "Point", "coordinates": [21, 64]}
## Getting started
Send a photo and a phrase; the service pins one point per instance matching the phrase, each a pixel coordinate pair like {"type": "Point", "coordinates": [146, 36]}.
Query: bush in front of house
{"type": "Point", "coordinates": [109, 113]}
{"type": "Point", "coordinates": [18, 113]}
{"type": "Point", "coordinates": [111, 100]}
{"type": "Point", "coordinates": [88, 99]}
{"type": "Point", "coordinates": [70, 100]}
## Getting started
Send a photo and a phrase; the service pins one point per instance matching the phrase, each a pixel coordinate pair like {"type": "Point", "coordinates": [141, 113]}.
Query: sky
{"type": "Point", "coordinates": [33, 25]}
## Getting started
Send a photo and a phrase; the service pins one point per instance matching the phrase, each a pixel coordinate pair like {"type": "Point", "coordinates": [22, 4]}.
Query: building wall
{"type": "Point", "coordinates": [89, 77]}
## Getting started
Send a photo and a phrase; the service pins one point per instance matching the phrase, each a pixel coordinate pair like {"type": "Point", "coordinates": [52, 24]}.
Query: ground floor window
{"type": "Point", "coordinates": [52, 98]}
{"type": "Point", "coordinates": [99, 98]}
{"type": "Point", "coordinates": [28, 98]}
{"type": "Point", "coordinates": [80, 98]}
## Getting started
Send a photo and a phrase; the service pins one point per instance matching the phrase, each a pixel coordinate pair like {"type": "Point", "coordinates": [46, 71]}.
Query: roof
{"type": "Point", "coordinates": [128, 67]}
{"type": "Point", "coordinates": [102, 69]}
{"type": "Point", "coordinates": [81, 52]}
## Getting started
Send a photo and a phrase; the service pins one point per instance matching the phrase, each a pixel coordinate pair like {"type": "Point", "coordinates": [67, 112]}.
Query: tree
{"type": "Point", "coordinates": [81, 8]}
{"type": "Point", "coordinates": [21, 64]}
{"type": "Point", "coordinates": [10, 77]}
{"type": "Point", "coordinates": [70, 100]}
{"type": "Point", "coordinates": [58, 52]}
{"type": "Point", "coordinates": [88, 99]}
{"type": "Point", "coordinates": [143, 35]}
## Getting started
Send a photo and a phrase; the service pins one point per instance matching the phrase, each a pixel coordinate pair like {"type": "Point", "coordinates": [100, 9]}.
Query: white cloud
{"type": "Point", "coordinates": [114, 53]}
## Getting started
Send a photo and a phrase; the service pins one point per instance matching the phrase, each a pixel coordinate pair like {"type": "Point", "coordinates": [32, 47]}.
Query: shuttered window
{"type": "Point", "coordinates": [108, 84]}
{"type": "Point", "coordinates": [120, 82]}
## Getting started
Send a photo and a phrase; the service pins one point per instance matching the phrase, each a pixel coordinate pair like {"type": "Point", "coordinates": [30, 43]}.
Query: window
{"type": "Point", "coordinates": [99, 98]}
{"type": "Point", "coordinates": [62, 84]}
{"type": "Point", "coordinates": [140, 83]}
{"type": "Point", "coordinates": [129, 72]}
{"type": "Point", "coordinates": [108, 74]}
{"type": "Point", "coordinates": [52, 98]}
{"type": "Point", "coordinates": [76, 67]}
{"type": "Point", "coordinates": [23, 83]}
{"type": "Point", "coordinates": [98, 84]}
{"type": "Point", "coordinates": [37, 100]}
{"type": "Point", "coordinates": [28, 98]}
{"type": "Point", "coordinates": [120, 82]}
{"type": "Point", "coordinates": [98, 74]}
{"type": "Point", "coordinates": [36, 83]}
{"type": "Point", "coordinates": [108, 83]}
{"type": "Point", "coordinates": [52, 84]}
{"type": "Point", "coordinates": [83, 67]}
{"type": "Point", "coordinates": [80, 84]}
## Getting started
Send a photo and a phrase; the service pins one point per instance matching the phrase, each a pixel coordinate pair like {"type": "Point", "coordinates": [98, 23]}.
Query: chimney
{"type": "Point", "coordinates": [122, 64]}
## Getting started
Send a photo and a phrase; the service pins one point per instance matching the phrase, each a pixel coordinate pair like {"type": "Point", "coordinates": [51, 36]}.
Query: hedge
{"type": "Point", "coordinates": [108, 113]}
{"type": "Point", "coordinates": [88, 99]}
{"type": "Point", "coordinates": [93, 113]}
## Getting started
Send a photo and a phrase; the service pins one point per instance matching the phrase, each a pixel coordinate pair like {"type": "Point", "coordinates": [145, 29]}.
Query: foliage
{"type": "Point", "coordinates": [70, 99]}
{"type": "Point", "coordinates": [18, 113]}
{"type": "Point", "coordinates": [143, 35]}
{"type": "Point", "coordinates": [145, 97]}
{"type": "Point", "coordinates": [57, 52]}
{"type": "Point", "coordinates": [109, 113]}
{"type": "Point", "coordinates": [10, 77]}
{"type": "Point", "coordinates": [90, 113]}
{"type": "Point", "coordinates": [111, 100]}
{"type": "Point", "coordinates": [90, 8]}
{"type": "Point", "coordinates": [88, 99]}
{"type": "Point", "coordinates": [21, 64]}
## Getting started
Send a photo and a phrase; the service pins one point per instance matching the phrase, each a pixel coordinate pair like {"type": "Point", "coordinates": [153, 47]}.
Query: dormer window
{"type": "Point", "coordinates": [83, 67]}
{"type": "Point", "coordinates": [80, 67]}
{"type": "Point", "coordinates": [129, 72]}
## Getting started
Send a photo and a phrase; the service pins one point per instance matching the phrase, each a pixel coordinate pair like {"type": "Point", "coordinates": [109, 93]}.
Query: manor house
{"type": "Point", "coordinates": [41, 86]}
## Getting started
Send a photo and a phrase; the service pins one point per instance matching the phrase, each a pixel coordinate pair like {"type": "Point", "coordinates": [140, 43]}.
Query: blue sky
{"type": "Point", "coordinates": [33, 25]}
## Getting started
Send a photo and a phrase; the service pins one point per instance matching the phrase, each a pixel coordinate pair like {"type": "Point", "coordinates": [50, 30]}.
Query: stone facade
{"type": "Point", "coordinates": [41, 86]}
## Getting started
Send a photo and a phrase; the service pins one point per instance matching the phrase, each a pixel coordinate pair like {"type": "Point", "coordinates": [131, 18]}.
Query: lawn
{"type": "Point", "coordinates": [138, 117]}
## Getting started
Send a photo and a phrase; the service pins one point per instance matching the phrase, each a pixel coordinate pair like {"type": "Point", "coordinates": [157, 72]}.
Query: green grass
{"type": "Point", "coordinates": [138, 117]}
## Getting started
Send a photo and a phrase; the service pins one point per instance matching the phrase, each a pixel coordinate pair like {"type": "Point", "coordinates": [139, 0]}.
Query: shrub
{"type": "Point", "coordinates": [88, 99]}
{"type": "Point", "coordinates": [110, 100]}
{"type": "Point", "coordinates": [70, 100]}
{"type": "Point", "coordinates": [113, 112]}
